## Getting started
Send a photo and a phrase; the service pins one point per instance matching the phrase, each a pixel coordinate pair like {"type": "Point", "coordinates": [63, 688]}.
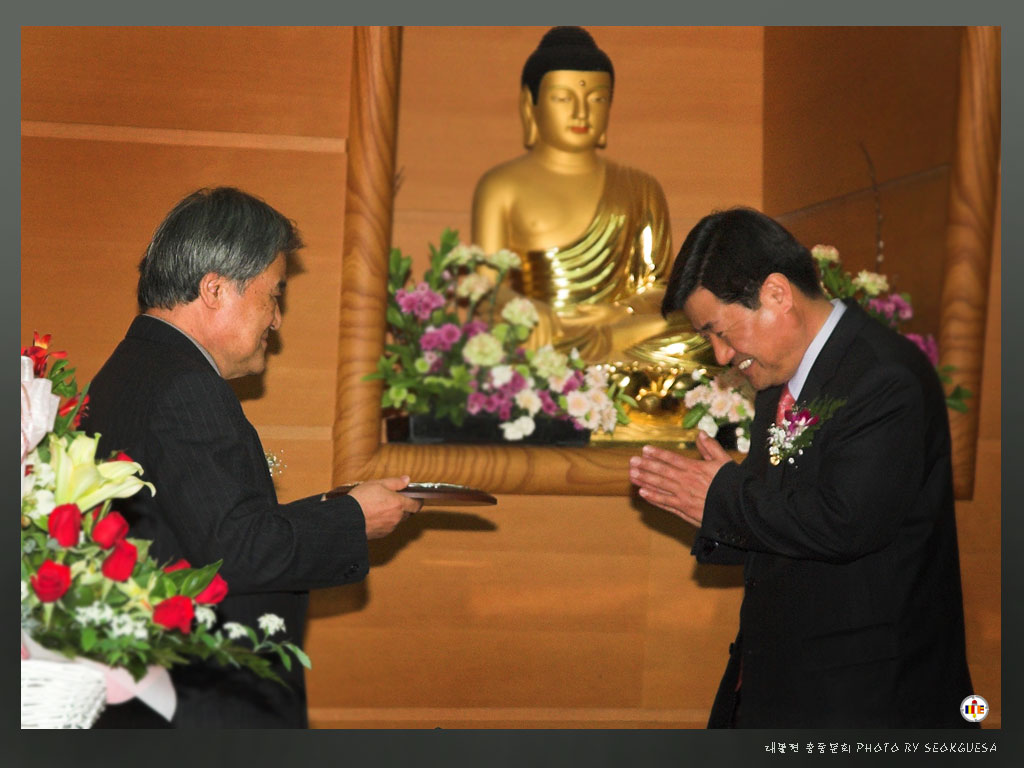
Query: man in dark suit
{"type": "Point", "coordinates": [209, 290]}
{"type": "Point", "coordinates": [852, 612]}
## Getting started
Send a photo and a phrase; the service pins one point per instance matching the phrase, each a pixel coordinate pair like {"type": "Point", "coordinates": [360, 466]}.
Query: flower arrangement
{"type": "Point", "coordinates": [90, 591]}
{"type": "Point", "coordinates": [786, 441]}
{"type": "Point", "coordinates": [452, 353]}
{"type": "Point", "coordinates": [891, 309]}
{"type": "Point", "coordinates": [713, 403]}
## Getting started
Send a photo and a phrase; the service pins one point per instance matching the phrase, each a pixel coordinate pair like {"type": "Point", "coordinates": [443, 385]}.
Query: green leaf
{"type": "Point", "coordinates": [694, 415]}
{"type": "Point", "coordinates": [300, 655]}
{"type": "Point", "coordinates": [197, 579]}
{"type": "Point", "coordinates": [88, 638]}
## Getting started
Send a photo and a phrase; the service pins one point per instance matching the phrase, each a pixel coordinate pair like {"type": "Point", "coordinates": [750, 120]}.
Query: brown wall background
{"type": "Point", "coordinates": [564, 611]}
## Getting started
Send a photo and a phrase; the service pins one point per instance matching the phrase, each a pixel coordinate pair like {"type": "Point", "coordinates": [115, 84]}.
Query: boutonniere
{"type": "Point", "coordinates": [786, 441]}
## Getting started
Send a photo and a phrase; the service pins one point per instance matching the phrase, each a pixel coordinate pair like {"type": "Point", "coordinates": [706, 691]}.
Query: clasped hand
{"type": "Point", "coordinates": [676, 483]}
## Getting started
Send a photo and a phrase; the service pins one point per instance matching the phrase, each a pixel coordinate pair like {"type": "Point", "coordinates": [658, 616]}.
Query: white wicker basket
{"type": "Point", "coordinates": [60, 695]}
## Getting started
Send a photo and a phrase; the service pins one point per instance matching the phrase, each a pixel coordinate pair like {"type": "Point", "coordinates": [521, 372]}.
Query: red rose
{"type": "Point", "coordinates": [110, 530]}
{"type": "Point", "coordinates": [122, 456]}
{"type": "Point", "coordinates": [182, 563]}
{"type": "Point", "coordinates": [65, 524]}
{"type": "Point", "coordinates": [214, 592]}
{"type": "Point", "coordinates": [51, 581]}
{"type": "Point", "coordinates": [174, 613]}
{"type": "Point", "coordinates": [119, 564]}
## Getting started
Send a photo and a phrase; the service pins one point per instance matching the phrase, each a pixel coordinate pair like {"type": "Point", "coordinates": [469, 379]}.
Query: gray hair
{"type": "Point", "coordinates": [221, 230]}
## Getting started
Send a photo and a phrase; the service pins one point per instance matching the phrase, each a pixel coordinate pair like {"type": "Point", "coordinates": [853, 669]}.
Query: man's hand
{"type": "Point", "coordinates": [675, 483]}
{"type": "Point", "coordinates": [382, 506]}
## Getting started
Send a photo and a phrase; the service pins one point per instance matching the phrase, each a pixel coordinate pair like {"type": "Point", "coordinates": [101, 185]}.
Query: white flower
{"type": "Point", "coordinates": [697, 395]}
{"type": "Point", "coordinates": [483, 350]}
{"type": "Point", "coordinates": [520, 311]}
{"type": "Point", "coordinates": [549, 363]}
{"type": "Point", "coordinates": [462, 254]}
{"type": "Point", "coordinates": [743, 444]}
{"type": "Point", "coordinates": [721, 401]}
{"type": "Point", "coordinates": [596, 377]}
{"type": "Point", "coordinates": [123, 625]}
{"type": "Point", "coordinates": [825, 253]}
{"type": "Point", "coordinates": [609, 418]}
{"type": "Point", "coordinates": [518, 429]}
{"type": "Point", "coordinates": [504, 260]}
{"type": "Point", "coordinates": [739, 408]}
{"type": "Point", "coordinates": [708, 424]}
{"type": "Point", "coordinates": [474, 286]}
{"type": "Point", "coordinates": [871, 283]}
{"type": "Point", "coordinates": [528, 400]}
{"type": "Point", "coordinates": [271, 623]}
{"type": "Point", "coordinates": [38, 504]}
{"type": "Point", "coordinates": [206, 616]}
{"type": "Point", "coordinates": [577, 404]}
{"type": "Point", "coordinates": [235, 630]}
{"type": "Point", "coordinates": [501, 375]}
{"type": "Point", "coordinates": [698, 374]}
{"type": "Point", "coordinates": [38, 408]}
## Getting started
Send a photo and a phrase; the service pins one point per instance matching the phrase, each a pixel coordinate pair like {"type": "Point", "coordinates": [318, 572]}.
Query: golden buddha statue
{"type": "Point", "coordinates": [593, 235]}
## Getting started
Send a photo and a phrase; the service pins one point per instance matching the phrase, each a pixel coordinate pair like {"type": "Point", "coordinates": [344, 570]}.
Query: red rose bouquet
{"type": "Point", "coordinates": [89, 590]}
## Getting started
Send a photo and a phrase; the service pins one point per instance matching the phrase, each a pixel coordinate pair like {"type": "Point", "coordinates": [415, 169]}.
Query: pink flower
{"type": "Point", "coordinates": [926, 344]}
{"type": "Point", "coordinates": [475, 402]}
{"type": "Point", "coordinates": [473, 327]}
{"type": "Point", "coordinates": [450, 334]}
{"type": "Point", "coordinates": [419, 302]}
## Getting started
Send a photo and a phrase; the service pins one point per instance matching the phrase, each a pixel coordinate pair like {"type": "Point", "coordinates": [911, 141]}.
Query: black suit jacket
{"type": "Point", "coordinates": [158, 399]}
{"type": "Point", "coordinates": [852, 611]}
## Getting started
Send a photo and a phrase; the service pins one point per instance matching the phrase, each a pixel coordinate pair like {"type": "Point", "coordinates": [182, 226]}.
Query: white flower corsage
{"type": "Point", "coordinates": [788, 440]}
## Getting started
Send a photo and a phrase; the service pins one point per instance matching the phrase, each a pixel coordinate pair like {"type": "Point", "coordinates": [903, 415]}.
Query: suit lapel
{"type": "Point", "coordinates": [832, 354]}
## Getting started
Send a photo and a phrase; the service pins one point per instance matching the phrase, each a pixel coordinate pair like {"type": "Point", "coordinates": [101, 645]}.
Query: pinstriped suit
{"type": "Point", "coordinates": [158, 399]}
{"type": "Point", "coordinates": [852, 612]}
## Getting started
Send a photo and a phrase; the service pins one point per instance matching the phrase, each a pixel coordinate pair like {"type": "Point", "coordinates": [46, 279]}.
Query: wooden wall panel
{"type": "Point", "coordinates": [828, 89]}
{"type": "Point", "coordinates": [263, 80]}
{"type": "Point", "coordinates": [914, 210]}
{"type": "Point", "coordinates": [541, 611]}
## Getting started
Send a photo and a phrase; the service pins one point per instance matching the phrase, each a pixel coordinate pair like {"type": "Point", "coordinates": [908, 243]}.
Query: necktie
{"type": "Point", "coordinates": [786, 403]}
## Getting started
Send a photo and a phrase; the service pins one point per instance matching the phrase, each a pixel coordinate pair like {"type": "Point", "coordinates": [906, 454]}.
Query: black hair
{"type": "Point", "coordinates": [564, 48]}
{"type": "Point", "coordinates": [730, 253]}
{"type": "Point", "coordinates": [221, 230]}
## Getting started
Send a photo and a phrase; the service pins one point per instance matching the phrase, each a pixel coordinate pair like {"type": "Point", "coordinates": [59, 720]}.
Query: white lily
{"type": "Point", "coordinates": [80, 480]}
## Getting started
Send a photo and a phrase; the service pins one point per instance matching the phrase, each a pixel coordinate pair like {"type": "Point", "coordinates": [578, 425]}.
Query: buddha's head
{"type": "Point", "coordinates": [566, 92]}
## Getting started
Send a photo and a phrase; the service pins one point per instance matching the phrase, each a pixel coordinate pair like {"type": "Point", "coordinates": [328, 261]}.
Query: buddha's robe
{"type": "Point", "coordinates": [598, 293]}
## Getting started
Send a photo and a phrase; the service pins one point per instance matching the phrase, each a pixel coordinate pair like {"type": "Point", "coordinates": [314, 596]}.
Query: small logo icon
{"type": "Point", "coordinates": [974, 709]}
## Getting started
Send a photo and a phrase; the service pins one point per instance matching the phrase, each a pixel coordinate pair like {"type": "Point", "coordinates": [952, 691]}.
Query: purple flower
{"type": "Point", "coordinates": [883, 307]}
{"type": "Point", "coordinates": [926, 344]}
{"type": "Point", "coordinates": [575, 382]}
{"type": "Point", "coordinates": [900, 305]}
{"type": "Point", "coordinates": [547, 404]}
{"type": "Point", "coordinates": [475, 402]}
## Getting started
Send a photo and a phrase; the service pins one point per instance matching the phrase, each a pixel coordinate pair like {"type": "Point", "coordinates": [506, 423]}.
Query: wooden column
{"type": "Point", "coordinates": [973, 194]}
{"type": "Point", "coordinates": [372, 139]}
